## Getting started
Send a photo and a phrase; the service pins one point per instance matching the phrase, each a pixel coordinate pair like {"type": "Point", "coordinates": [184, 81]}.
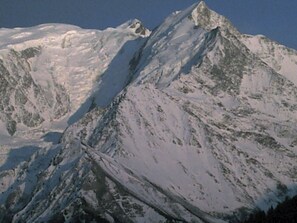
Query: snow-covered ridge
{"type": "Point", "coordinates": [74, 56]}
{"type": "Point", "coordinates": [195, 123]}
{"type": "Point", "coordinates": [279, 57]}
{"type": "Point", "coordinates": [71, 57]}
{"type": "Point", "coordinates": [175, 46]}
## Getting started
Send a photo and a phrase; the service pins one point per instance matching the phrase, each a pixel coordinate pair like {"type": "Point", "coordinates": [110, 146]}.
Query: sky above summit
{"type": "Point", "coordinates": [275, 19]}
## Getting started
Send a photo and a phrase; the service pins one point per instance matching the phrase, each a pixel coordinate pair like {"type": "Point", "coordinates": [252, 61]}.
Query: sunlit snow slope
{"type": "Point", "coordinates": [202, 129]}
{"type": "Point", "coordinates": [51, 70]}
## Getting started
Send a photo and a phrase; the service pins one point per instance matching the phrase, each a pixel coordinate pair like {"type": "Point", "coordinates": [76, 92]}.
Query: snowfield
{"type": "Point", "coordinates": [194, 122]}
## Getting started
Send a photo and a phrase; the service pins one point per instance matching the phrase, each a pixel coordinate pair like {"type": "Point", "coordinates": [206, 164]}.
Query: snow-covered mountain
{"type": "Point", "coordinates": [49, 71]}
{"type": "Point", "coordinates": [194, 122]}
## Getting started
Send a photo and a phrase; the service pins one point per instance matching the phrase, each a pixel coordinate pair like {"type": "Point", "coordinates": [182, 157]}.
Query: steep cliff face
{"type": "Point", "coordinates": [198, 126]}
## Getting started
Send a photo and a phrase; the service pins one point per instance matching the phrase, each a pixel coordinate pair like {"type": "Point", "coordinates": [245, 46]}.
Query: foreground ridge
{"type": "Point", "coordinates": [193, 122]}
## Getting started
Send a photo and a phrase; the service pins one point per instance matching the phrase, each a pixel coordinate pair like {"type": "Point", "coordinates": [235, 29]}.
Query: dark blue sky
{"type": "Point", "coordinates": [277, 19]}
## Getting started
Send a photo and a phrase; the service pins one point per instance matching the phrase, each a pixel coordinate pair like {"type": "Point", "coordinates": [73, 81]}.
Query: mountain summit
{"type": "Point", "coordinates": [207, 19]}
{"type": "Point", "coordinates": [193, 122]}
{"type": "Point", "coordinates": [204, 17]}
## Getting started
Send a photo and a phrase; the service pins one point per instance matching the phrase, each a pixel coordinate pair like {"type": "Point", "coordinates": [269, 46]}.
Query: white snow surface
{"type": "Point", "coordinates": [76, 59]}
{"type": "Point", "coordinates": [199, 126]}
{"type": "Point", "coordinates": [279, 57]}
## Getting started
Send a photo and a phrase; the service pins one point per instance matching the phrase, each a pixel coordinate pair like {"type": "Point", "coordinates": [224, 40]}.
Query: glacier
{"type": "Point", "coordinates": [192, 122]}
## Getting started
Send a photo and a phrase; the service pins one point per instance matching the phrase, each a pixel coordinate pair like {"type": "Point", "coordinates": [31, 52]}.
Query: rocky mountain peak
{"type": "Point", "coordinates": [208, 19]}
{"type": "Point", "coordinates": [195, 123]}
{"type": "Point", "coordinates": [202, 5]}
{"type": "Point", "coordinates": [139, 28]}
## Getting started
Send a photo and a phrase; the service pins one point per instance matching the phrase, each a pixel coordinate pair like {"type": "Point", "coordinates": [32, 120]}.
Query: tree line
{"type": "Point", "coordinates": [285, 212]}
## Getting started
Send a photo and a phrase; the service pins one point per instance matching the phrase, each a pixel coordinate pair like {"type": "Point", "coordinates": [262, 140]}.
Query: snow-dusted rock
{"type": "Point", "coordinates": [198, 124]}
{"type": "Point", "coordinates": [53, 70]}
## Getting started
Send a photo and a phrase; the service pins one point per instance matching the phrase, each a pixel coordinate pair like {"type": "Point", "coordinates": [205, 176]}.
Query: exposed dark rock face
{"type": "Point", "coordinates": [23, 101]}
